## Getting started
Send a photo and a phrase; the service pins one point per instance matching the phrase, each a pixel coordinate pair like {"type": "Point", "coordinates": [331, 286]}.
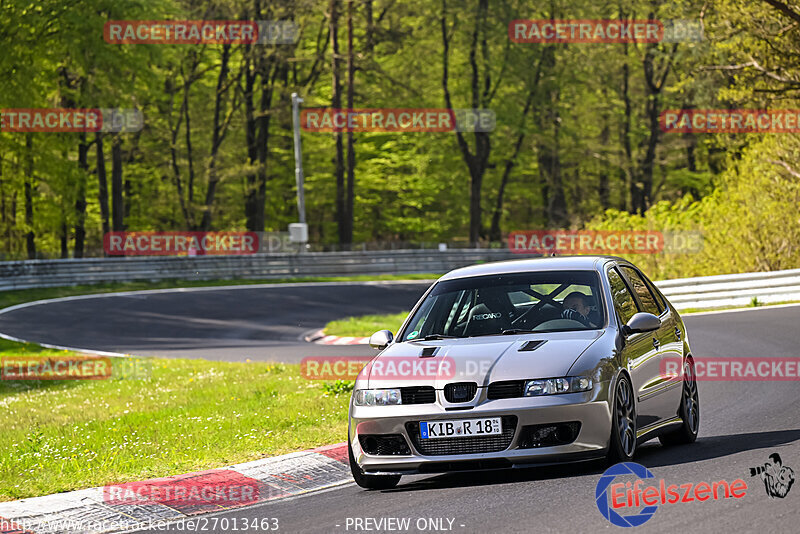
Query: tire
{"type": "Point", "coordinates": [377, 482]}
{"type": "Point", "coordinates": [622, 444]}
{"type": "Point", "coordinates": [689, 410]}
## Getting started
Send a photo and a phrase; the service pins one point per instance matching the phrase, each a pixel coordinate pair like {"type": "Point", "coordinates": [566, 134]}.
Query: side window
{"type": "Point", "coordinates": [645, 296]}
{"type": "Point", "coordinates": [659, 297]}
{"type": "Point", "coordinates": [621, 295]}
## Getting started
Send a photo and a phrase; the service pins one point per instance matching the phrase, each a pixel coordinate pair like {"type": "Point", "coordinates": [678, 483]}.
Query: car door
{"type": "Point", "coordinates": [639, 353]}
{"type": "Point", "coordinates": [672, 348]}
{"type": "Point", "coordinates": [662, 391]}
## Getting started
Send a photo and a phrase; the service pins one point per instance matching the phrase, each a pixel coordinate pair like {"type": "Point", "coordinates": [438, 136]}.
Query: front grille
{"type": "Point", "coordinates": [505, 390]}
{"type": "Point", "coordinates": [460, 391]}
{"type": "Point", "coordinates": [550, 435]}
{"type": "Point", "coordinates": [468, 445]}
{"type": "Point", "coordinates": [418, 395]}
{"type": "Point", "coordinates": [384, 444]}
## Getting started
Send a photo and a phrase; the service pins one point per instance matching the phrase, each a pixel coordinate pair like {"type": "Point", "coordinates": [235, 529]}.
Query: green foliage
{"type": "Point", "coordinates": [588, 109]}
{"type": "Point", "coordinates": [750, 223]}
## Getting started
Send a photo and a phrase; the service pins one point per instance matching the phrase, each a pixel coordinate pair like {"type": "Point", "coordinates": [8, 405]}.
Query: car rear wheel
{"type": "Point", "coordinates": [369, 481]}
{"type": "Point", "coordinates": [622, 444]}
{"type": "Point", "coordinates": [689, 410]}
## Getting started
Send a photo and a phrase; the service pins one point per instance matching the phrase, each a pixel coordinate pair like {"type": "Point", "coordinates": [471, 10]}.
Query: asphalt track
{"type": "Point", "coordinates": [257, 322]}
{"type": "Point", "coordinates": [742, 423]}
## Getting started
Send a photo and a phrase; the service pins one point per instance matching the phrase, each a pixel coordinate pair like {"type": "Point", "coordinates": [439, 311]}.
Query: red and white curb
{"type": "Point", "coordinates": [93, 511]}
{"type": "Point", "coordinates": [320, 338]}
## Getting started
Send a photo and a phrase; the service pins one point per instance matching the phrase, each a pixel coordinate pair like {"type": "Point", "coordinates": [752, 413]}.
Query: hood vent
{"type": "Point", "coordinates": [427, 352]}
{"type": "Point", "coordinates": [532, 345]}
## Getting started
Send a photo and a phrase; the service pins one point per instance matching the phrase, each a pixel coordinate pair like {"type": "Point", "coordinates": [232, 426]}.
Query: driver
{"type": "Point", "coordinates": [576, 308]}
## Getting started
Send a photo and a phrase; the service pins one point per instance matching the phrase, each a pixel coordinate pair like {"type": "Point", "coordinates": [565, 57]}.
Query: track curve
{"type": "Point", "coordinates": [742, 423]}
{"type": "Point", "coordinates": [259, 322]}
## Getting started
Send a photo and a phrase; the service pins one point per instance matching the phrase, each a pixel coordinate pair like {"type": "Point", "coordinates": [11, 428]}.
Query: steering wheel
{"type": "Point", "coordinates": [559, 324]}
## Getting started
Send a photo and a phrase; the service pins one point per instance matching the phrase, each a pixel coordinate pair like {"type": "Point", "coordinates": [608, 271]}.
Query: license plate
{"type": "Point", "coordinates": [460, 428]}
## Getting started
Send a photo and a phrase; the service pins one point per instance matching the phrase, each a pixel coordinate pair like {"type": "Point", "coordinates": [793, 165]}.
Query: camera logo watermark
{"type": "Point", "coordinates": [614, 498]}
{"type": "Point", "coordinates": [71, 120]}
{"type": "Point", "coordinates": [397, 120]}
{"type": "Point", "coordinates": [604, 242]}
{"type": "Point", "coordinates": [730, 121]}
{"type": "Point", "coordinates": [555, 31]}
{"type": "Point", "coordinates": [200, 32]}
{"type": "Point", "coordinates": [777, 478]}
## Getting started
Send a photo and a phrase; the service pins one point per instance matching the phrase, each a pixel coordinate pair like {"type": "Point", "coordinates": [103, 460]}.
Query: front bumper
{"type": "Point", "coordinates": [591, 409]}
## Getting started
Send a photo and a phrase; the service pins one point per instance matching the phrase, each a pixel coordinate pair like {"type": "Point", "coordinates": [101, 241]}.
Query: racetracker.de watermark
{"type": "Point", "coordinates": [729, 368]}
{"type": "Point", "coordinates": [604, 242]}
{"type": "Point", "coordinates": [76, 367]}
{"type": "Point", "coordinates": [197, 243]}
{"type": "Point", "coordinates": [397, 120]}
{"type": "Point", "coordinates": [200, 32]}
{"type": "Point", "coordinates": [730, 120]}
{"type": "Point", "coordinates": [219, 488]}
{"type": "Point", "coordinates": [71, 120]}
{"type": "Point", "coordinates": [180, 243]}
{"type": "Point", "coordinates": [550, 31]}
{"type": "Point", "coordinates": [392, 367]}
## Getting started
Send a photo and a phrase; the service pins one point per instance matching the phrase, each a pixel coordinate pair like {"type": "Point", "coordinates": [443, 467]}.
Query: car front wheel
{"type": "Point", "coordinates": [622, 444]}
{"type": "Point", "coordinates": [370, 481]}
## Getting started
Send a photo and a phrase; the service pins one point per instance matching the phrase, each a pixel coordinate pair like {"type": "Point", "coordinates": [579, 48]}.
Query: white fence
{"type": "Point", "coordinates": [732, 289]}
{"type": "Point", "coordinates": [52, 273]}
{"type": "Point", "coordinates": [701, 292]}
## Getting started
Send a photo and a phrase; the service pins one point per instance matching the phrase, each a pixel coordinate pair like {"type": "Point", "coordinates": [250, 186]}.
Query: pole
{"type": "Point", "coordinates": [298, 158]}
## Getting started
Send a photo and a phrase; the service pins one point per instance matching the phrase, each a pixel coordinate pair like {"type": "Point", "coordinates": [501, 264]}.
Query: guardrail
{"type": "Point", "coordinates": [732, 289]}
{"type": "Point", "coordinates": [53, 273]}
{"type": "Point", "coordinates": [684, 293]}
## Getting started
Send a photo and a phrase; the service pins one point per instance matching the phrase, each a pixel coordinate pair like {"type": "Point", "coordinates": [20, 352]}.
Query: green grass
{"type": "Point", "coordinates": [188, 415]}
{"type": "Point", "coordinates": [18, 296]}
{"type": "Point", "coordinates": [365, 325]}
{"type": "Point", "coordinates": [182, 416]}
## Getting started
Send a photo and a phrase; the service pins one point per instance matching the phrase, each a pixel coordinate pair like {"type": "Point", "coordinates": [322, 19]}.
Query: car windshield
{"type": "Point", "coordinates": [509, 304]}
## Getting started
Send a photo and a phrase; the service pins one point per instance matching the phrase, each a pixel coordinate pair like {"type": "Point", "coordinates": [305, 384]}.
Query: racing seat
{"type": "Point", "coordinates": [490, 315]}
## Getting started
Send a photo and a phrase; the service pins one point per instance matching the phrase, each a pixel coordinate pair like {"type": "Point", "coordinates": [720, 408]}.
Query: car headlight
{"type": "Point", "coordinates": [377, 397]}
{"type": "Point", "coordinates": [554, 386]}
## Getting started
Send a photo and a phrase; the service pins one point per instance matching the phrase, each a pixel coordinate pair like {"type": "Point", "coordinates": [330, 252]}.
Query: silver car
{"type": "Point", "coordinates": [524, 363]}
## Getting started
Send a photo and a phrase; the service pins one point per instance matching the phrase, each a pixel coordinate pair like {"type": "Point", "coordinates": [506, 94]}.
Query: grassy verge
{"type": "Point", "coordinates": [187, 415]}
{"type": "Point", "coordinates": [10, 298]}
{"type": "Point", "coordinates": [365, 325]}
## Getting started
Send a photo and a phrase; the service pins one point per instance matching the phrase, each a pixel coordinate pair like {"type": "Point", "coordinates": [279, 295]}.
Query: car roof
{"type": "Point", "coordinates": [550, 263]}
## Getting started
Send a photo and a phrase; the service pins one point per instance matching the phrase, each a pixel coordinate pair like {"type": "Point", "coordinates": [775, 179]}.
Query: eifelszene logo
{"type": "Point", "coordinates": [778, 478]}
{"type": "Point", "coordinates": [613, 497]}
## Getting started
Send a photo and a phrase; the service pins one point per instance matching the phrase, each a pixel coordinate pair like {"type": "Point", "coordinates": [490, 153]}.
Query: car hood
{"type": "Point", "coordinates": [481, 359]}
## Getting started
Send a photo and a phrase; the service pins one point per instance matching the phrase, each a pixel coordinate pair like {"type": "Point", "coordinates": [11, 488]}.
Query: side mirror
{"type": "Point", "coordinates": [641, 322]}
{"type": "Point", "coordinates": [380, 339]}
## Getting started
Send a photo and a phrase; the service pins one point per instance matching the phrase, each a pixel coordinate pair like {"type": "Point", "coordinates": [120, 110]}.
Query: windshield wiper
{"type": "Point", "coordinates": [431, 337]}
{"type": "Point", "coordinates": [512, 331]}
